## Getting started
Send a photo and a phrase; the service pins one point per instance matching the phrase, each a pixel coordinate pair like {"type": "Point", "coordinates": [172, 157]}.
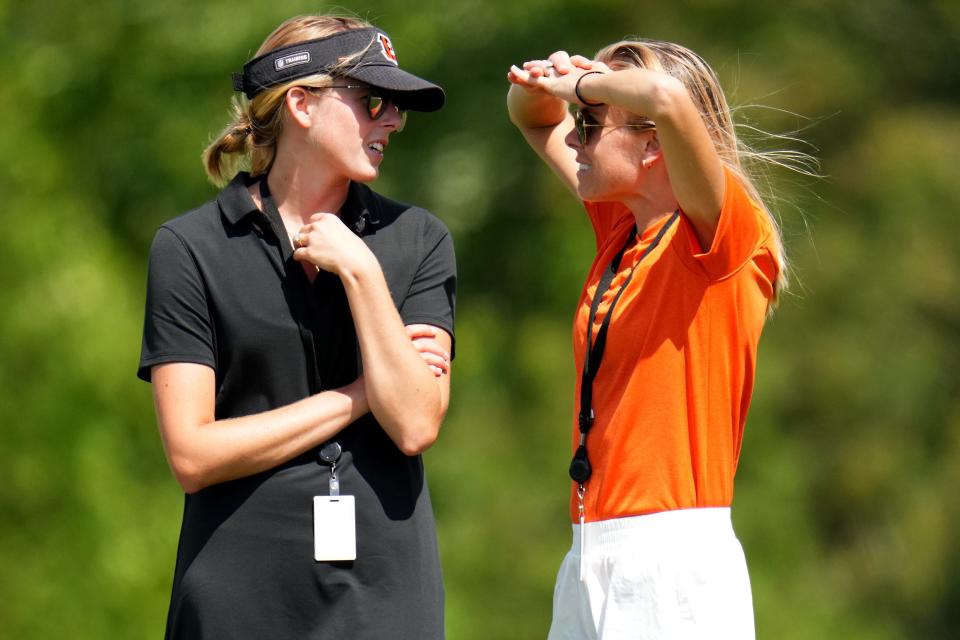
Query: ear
{"type": "Point", "coordinates": [652, 152]}
{"type": "Point", "coordinates": [298, 105]}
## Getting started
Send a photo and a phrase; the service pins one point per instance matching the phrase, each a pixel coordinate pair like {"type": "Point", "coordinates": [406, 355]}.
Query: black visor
{"type": "Point", "coordinates": [366, 55]}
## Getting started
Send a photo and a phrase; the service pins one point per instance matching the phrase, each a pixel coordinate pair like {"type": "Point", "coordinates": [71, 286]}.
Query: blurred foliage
{"type": "Point", "coordinates": [844, 500]}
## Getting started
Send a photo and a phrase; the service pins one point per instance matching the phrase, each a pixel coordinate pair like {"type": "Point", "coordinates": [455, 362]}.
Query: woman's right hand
{"type": "Point", "coordinates": [549, 76]}
{"type": "Point", "coordinates": [328, 244]}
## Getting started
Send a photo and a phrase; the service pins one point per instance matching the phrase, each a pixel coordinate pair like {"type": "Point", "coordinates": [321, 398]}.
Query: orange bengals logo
{"type": "Point", "coordinates": [386, 48]}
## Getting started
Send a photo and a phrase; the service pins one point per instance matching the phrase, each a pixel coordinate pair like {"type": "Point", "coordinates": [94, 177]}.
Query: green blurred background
{"type": "Point", "coordinates": [847, 491]}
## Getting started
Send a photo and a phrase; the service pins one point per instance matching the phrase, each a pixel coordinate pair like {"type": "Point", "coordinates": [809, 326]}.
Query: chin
{"type": "Point", "coordinates": [588, 192]}
{"type": "Point", "coordinates": [366, 175]}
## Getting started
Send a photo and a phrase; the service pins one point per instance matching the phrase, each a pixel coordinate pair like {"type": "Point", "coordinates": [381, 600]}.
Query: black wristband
{"type": "Point", "coordinates": [576, 90]}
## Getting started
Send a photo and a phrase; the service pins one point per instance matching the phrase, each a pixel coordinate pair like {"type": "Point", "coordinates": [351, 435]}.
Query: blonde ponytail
{"type": "Point", "coordinates": [220, 157]}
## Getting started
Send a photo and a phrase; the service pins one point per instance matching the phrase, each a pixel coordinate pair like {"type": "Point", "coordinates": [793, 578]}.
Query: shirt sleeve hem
{"type": "Point", "coordinates": [738, 217]}
{"type": "Point", "coordinates": [144, 372]}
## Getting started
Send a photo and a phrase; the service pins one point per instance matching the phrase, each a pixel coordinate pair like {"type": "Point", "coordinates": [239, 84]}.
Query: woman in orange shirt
{"type": "Point", "coordinates": [688, 265]}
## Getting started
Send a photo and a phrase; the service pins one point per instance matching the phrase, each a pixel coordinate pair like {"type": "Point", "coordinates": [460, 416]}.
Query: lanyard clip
{"type": "Point", "coordinates": [580, 469]}
{"type": "Point", "coordinates": [330, 454]}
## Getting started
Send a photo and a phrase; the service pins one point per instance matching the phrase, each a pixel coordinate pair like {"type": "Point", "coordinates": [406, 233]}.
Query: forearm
{"type": "Point", "coordinates": [203, 451]}
{"type": "Point", "coordinates": [692, 162]}
{"type": "Point", "coordinates": [534, 110]}
{"type": "Point", "coordinates": [652, 94]}
{"type": "Point", "coordinates": [401, 390]}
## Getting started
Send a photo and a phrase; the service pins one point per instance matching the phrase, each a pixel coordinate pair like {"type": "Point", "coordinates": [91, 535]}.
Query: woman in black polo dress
{"type": "Point", "coordinates": [298, 334]}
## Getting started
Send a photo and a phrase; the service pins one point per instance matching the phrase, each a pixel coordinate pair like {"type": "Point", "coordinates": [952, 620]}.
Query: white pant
{"type": "Point", "coordinates": [675, 575]}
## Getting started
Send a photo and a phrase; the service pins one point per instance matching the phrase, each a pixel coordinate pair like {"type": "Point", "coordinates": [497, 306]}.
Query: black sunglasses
{"type": "Point", "coordinates": [376, 101]}
{"type": "Point", "coordinates": [583, 122]}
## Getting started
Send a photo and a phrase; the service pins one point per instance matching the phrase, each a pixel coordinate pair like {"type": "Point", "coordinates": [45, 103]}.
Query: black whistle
{"type": "Point", "coordinates": [580, 468]}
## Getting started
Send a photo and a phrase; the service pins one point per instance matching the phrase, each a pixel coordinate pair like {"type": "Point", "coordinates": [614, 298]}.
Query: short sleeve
{"type": "Point", "coordinates": [743, 230]}
{"type": "Point", "coordinates": [431, 298]}
{"type": "Point", "coordinates": [177, 326]}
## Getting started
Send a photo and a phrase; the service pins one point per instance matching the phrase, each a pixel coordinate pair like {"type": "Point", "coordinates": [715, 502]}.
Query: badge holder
{"type": "Point", "coordinates": [334, 516]}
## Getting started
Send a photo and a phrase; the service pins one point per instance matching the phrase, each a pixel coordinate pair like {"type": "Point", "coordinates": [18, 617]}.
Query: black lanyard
{"type": "Point", "coordinates": [330, 453]}
{"type": "Point", "coordinates": [580, 468]}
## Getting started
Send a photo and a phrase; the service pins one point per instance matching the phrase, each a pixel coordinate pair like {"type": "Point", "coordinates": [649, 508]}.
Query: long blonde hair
{"type": "Point", "coordinates": [704, 88]}
{"type": "Point", "coordinates": [253, 133]}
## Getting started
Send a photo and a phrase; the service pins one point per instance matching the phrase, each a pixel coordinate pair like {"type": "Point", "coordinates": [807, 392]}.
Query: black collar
{"type": "Point", "coordinates": [360, 211]}
{"type": "Point", "coordinates": [235, 201]}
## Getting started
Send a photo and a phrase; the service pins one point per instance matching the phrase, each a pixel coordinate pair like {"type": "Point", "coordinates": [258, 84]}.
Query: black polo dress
{"type": "Point", "coordinates": [223, 290]}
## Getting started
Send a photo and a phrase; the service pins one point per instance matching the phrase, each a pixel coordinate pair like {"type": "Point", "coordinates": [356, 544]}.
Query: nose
{"type": "Point", "coordinates": [393, 117]}
{"type": "Point", "coordinates": [572, 139]}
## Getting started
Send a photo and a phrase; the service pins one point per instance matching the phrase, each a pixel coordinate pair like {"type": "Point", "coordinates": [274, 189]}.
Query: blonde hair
{"type": "Point", "coordinates": [704, 88]}
{"type": "Point", "coordinates": [253, 133]}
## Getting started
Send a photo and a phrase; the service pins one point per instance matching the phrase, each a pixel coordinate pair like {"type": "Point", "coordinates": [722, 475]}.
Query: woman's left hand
{"type": "Point", "coordinates": [328, 244]}
{"type": "Point", "coordinates": [423, 337]}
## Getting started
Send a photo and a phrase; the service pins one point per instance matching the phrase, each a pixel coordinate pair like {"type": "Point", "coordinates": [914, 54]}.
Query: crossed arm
{"type": "Point", "coordinates": [405, 384]}
{"type": "Point", "coordinates": [203, 451]}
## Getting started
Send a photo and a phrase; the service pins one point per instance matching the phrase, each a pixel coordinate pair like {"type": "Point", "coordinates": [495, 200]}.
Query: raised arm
{"type": "Point", "coordinates": [693, 166]}
{"type": "Point", "coordinates": [544, 119]}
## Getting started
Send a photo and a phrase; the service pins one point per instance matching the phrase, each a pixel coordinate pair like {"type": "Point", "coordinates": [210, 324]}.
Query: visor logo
{"type": "Point", "coordinates": [292, 60]}
{"type": "Point", "coordinates": [386, 48]}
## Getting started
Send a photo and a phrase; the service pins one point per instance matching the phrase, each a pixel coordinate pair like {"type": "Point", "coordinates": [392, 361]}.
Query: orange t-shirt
{"type": "Point", "coordinates": [672, 392]}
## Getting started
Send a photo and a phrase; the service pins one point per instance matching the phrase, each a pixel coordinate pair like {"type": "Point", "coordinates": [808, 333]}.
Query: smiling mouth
{"type": "Point", "coordinates": [376, 146]}
{"type": "Point", "coordinates": [584, 166]}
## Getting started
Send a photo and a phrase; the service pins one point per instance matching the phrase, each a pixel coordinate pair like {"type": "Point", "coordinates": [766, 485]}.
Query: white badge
{"type": "Point", "coordinates": [334, 528]}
